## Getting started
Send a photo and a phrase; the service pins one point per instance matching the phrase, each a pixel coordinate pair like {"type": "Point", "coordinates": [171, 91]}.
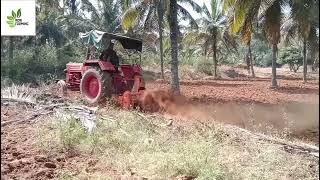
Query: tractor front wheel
{"type": "Point", "coordinates": [96, 86]}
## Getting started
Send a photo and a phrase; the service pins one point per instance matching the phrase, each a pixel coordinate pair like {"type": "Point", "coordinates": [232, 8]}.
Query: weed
{"type": "Point", "coordinates": [71, 133]}
{"type": "Point", "coordinates": [125, 140]}
{"type": "Point", "coordinates": [204, 66]}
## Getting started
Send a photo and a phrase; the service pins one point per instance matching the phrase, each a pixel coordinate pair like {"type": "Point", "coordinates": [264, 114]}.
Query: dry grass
{"type": "Point", "coordinates": [20, 93]}
{"type": "Point", "coordinates": [129, 142]}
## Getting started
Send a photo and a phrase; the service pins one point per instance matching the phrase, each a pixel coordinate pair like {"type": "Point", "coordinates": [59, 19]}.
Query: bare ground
{"type": "Point", "coordinates": [292, 106]}
{"type": "Point", "coordinates": [291, 110]}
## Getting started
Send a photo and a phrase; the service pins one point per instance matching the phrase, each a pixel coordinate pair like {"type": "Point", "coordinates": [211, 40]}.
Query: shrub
{"type": "Point", "coordinates": [292, 57]}
{"type": "Point", "coordinates": [204, 66]}
{"type": "Point", "coordinates": [42, 63]}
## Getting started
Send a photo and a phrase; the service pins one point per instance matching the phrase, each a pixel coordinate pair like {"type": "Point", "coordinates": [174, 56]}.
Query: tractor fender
{"type": "Point", "coordinates": [104, 65]}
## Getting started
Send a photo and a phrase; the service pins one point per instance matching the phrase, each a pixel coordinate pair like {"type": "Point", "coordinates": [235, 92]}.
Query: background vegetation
{"type": "Point", "coordinates": [203, 43]}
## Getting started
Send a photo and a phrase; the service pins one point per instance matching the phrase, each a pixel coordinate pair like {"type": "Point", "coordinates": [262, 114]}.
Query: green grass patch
{"type": "Point", "coordinates": [126, 140]}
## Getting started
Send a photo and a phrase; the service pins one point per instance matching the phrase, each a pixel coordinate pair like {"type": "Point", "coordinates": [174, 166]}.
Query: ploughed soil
{"type": "Point", "coordinates": [22, 159]}
{"type": "Point", "coordinates": [291, 110]}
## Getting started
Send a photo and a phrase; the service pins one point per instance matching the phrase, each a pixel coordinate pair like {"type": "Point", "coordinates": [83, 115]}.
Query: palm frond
{"type": "Point", "coordinates": [288, 30]}
{"type": "Point", "coordinates": [185, 15]}
{"type": "Point", "coordinates": [203, 21]}
{"type": "Point", "coordinates": [246, 32]}
{"type": "Point", "coordinates": [193, 4]}
{"type": "Point", "coordinates": [230, 40]}
{"type": "Point", "coordinates": [206, 10]}
{"type": "Point", "coordinates": [149, 17]}
{"type": "Point", "coordinates": [129, 18]}
{"type": "Point", "coordinates": [264, 6]}
{"type": "Point", "coordinates": [89, 7]}
{"type": "Point", "coordinates": [228, 4]}
{"type": "Point", "coordinates": [216, 9]}
{"type": "Point", "coordinates": [300, 12]}
{"type": "Point", "coordinates": [272, 23]}
{"type": "Point", "coordinates": [240, 14]}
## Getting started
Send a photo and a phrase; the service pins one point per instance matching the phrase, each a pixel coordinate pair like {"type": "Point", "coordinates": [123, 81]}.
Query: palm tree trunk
{"type": "Point", "coordinates": [304, 61]}
{"type": "Point", "coordinates": [313, 59]}
{"type": "Point", "coordinates": [274, 67]}
{"type": "Point", "coordinates": [205, 50]}
{"type": "Point", "coordinates": [10, 48]}
{"type": "Point", "coordinates": [248, 63]}
{"type": "Point", "coordinates": [252, 70]}
{"type": "Point", "coordinates": [247, 60]}
{"type": "Point", "coordinates": [250, 58]}
{"type": "Point", "coordinates": [173, 22]}
{"type": "Point", "coordinates": [161, 54]}
{"type": "Point", "coordinates": [214, 47]}
{"type": "Point", "coordinates": [2, 46]}
{"type": "Point", "coordinates": [160, 18]}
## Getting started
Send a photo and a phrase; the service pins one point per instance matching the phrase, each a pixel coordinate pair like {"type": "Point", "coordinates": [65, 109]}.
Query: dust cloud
{"type": "Point", "coordinates": [298, 119]}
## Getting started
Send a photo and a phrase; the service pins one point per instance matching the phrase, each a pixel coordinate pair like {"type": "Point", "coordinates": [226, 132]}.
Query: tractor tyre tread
{"type": "Point", "coordinates": [105, 82]}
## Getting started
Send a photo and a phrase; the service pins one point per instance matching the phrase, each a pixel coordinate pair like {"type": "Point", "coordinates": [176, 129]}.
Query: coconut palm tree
{"type": "Point", "coordinates": [105, 15]}
{"type": "Point", "coordinates": [173, 22]}
{"type": "Point", "coordinates": [145, 12]}
{"type": "Point", "coordinates": [302, 24]}
{"type": "Point", "coordinates": [213, 25]}
{"type": "Point", "coordinates": [242, 15]}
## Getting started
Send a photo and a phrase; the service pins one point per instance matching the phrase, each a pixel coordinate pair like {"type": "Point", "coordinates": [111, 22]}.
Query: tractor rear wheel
{"type": "Point", "coordinates": [96, 86]}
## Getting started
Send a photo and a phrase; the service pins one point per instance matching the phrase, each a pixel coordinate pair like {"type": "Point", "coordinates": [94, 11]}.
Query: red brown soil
{"type": "Point", "coordinates": [245, 91]}
{"type": "Point", "coordinates": [293, 108]}
{"type": "Point", "coordinates": [248, 103]}
{"type": "Point", "coordinates": [18, 157]}
{"type": "Point", "coordinates": [21, 159]}
{"type": "Point", "coordinates": [233, 101]}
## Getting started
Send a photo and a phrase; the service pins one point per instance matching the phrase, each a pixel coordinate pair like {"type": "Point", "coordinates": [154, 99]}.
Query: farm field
{"type": "Point", "coordinates": [216, 132]}
{"type": "Point", "coordinates": [160, 90]}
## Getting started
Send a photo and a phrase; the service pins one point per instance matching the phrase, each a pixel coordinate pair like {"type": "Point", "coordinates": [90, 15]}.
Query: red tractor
{"type": "Point", "coordinates": [99, 80]}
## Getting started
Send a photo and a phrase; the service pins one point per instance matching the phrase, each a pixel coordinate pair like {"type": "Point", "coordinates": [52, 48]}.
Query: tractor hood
{"type": "Point", "coordinates": [96, 38]}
